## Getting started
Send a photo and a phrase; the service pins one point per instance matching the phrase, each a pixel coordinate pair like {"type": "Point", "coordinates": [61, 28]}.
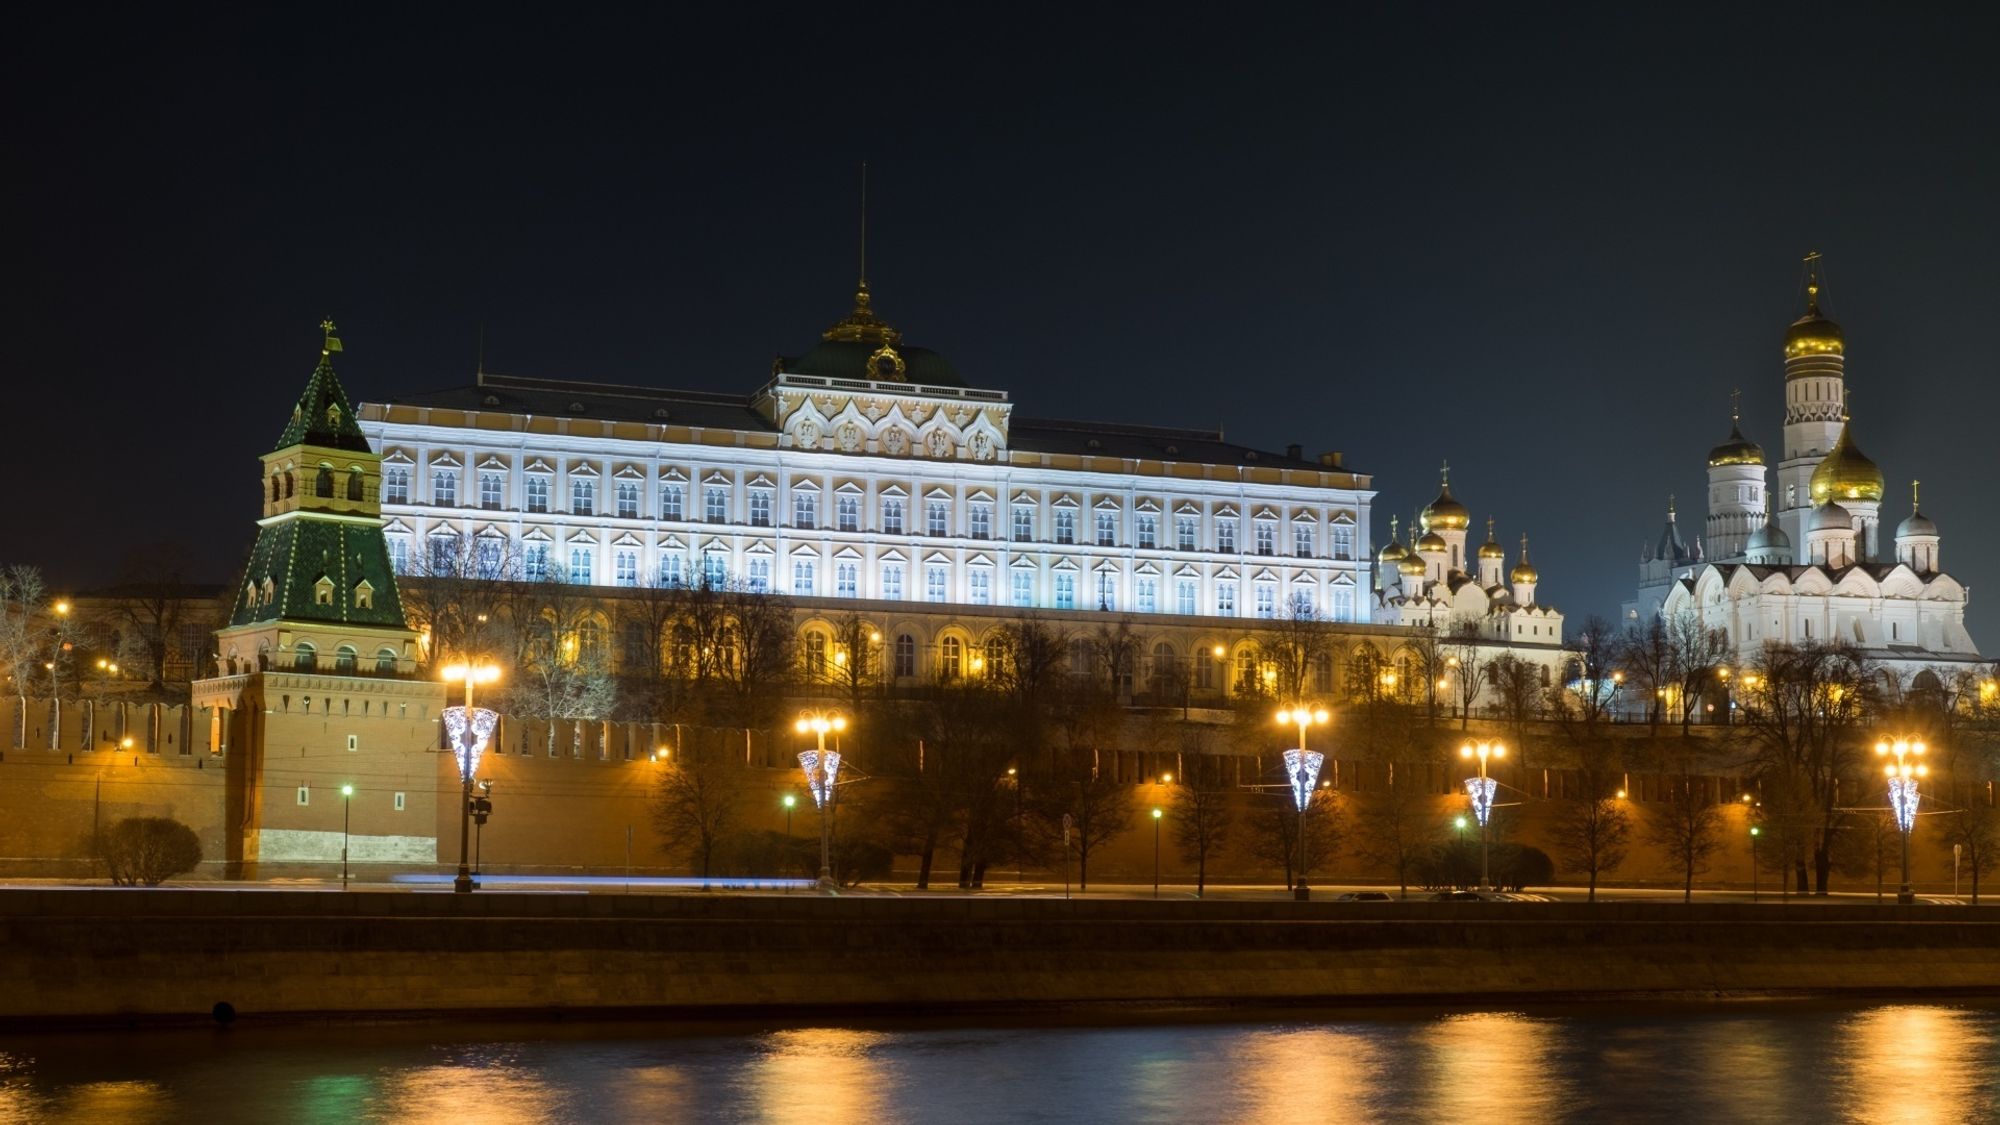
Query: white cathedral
{"type": "Point", "coordinates": [1434, 582]}
{"type": "Point", "coordinates": [1811, 562]}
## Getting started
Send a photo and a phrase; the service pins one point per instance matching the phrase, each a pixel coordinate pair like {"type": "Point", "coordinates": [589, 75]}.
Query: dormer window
{"type": "Point", "coordinates": [323, 591]}
{"type": "Point", "coordinates": [364, 595]}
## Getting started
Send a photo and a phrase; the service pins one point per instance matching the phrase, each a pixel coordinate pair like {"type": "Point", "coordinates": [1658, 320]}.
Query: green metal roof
{"type": "Point", "coordinates": [323, 416]}
{"type": "Point", "coordinates": [296, 553]}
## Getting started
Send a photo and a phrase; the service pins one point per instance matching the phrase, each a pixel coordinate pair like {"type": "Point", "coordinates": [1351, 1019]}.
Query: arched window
{"type": "Point", "coordinates": [289, 484]}
{"type": "Point", "coordinates": [1246, 671]}
{"type": "Point", "coordinates": [590, 641]}
{"type": "Point", "coordinates": [323, 482]}
{"type": "Point", "coordinates": [304, 657]}
{"type": "Point", "coordinates": [385, 660]}
{"type": "Point", "coordinates": [815, 654]}
{"type": "Point", "coordinates": [951, 659]}
{"type": "Point", "coordinates": [1166, 668]}
{"type": "Point", "coordinates": [344, 659]}
{"type": "Point", "coordinates": [354, 484]}
{"type": "Point", "coordinates": [906, 655]}
{"type": "Point", "coordinates": [275, 486]}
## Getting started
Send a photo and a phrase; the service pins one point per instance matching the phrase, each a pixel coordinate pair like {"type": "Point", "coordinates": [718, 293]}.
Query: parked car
{"type": "Point", "coordinates": [1458, 896]}
{"type": "Point", "coordinates": [1365, 896]}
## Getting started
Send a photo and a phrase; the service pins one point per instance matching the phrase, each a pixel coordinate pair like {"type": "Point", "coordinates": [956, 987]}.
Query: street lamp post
{"type": "Point", "coordinates": [346, 807]}
{"type": "Point", "coordinates": [1156, 852]}
{"type": "Point", "coordinates": [1481, 789]}
{"type": "Point", "coordinates": [1301, 770]}
{"type": "Point", "coordinates": [1754, 832]}
{"type": "Point", "coordinates": [822, 769]}
{"type": "Point", "coordinates": [789, 801]}
{"type": "Point", "coordinates": [1903, 774]}
{"type": "Point", "coordinates": [470, 729]}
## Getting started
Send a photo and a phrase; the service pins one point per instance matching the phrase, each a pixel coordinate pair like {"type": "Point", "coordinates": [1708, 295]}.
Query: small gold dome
{"type": "Point", "coordinates": [1431, 542]}
{"type": "Point", "coordinates": [1412, 566]}
{"type": "Point", "coordinates": [1524, 571]}
{"type": "Point", "coordinates": [1846, 473]}
{"type": "Point", "coordinates": [1813, 334]}
{"type": "Point", "coordinates": [1392, 553]}
{"type": "Point", "coordinates": [1738, 450]}
{"type": "Point", "coordinates": [1491, 550]}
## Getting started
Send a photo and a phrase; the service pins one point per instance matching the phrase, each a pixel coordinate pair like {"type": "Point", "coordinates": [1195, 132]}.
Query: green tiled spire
{"type": "Point", "coordinates": [323, 416]}
{"type": "Point", "coordinates": [334, 573]}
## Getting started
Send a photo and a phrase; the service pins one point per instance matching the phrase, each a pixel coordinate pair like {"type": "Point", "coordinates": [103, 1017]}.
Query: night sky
{"type": "Point", "coordinates": [1541, 244]}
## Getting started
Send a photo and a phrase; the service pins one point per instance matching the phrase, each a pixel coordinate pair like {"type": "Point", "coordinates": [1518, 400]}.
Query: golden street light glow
{"type": "Point", "coordinates": [1906, 752]}
{"type": "Point", "coordinates": [820, 722]}
{"type": "Point", "coordinates": [469, 673]}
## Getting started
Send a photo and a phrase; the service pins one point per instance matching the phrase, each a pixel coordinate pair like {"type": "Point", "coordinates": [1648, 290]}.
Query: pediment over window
{"type": "Point", "coordinates": [398, 457]}
{"type": "Point", "coordinates": [628, 472]}
{"type": "Point", "coordinates": [582, 469]}
{"type": "Point", "coordinates": [444, 460]}
{"type": "Point", "coordinates": [672, 473]}
{"type": "Point", "coordinates": [537, 465]}
{"type": "Point", "coordinates": [492, 462]}
{"type": "Point", "coordinates": [715, 476]}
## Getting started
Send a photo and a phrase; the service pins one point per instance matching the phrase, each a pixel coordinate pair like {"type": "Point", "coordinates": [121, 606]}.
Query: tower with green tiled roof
{"type": "Point", "coordinates": [316, 687]}
{"type": "Point", "coordinates": [319, 593]}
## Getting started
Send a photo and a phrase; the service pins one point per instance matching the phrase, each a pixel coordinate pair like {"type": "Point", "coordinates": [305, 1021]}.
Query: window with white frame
{"type": "Point", "coordinates": [757, 575]}
{"type": "Point", "coordinates": [538, 493]}
{"type": "Point", "coordinates": [626, 568]}
{"type": "Point", "coordinates": [488, 550]}
{"type": "Point", "coordinates": [1146, 592]}
{"type": "Point", "coordinates": [715, 505]}
{"type": "Point", "coordinates": [1065, 590]}
{"type": "Point", "coordinates": [672, 497]}
{"type": "Point", "coordinates": [670, 569]}
{"type": "Point", "coordinates": [982, 521]}
{"type": "Point", "coordinates": [395, 486]}
{"type": "Point", "coordinates": [399, 554]}
{"type": "Point", "coordinates": [892, 517]}
{"type": "Point", "coordinates": [444, 488]}
{"type": "Point", "coordinates": [490, 485]}
{"type": "Point", "coordinates": [1024, 587]}
{"type": "Point", "coordinates": [802, 577]}
{"type": "Point", "coordinates": [1343, 603]}
{"type": "Point", "coordinates": [805, 510]}
{"type": "Point", "coordinates": [936, 582]}
{"type": "Point", "coordinates": [582, 496]}
{"type": "Point", "coordinates": [979, 581]}
{"type": "Point", "coordinates": [1302, 540]}
{"type": "Point", "coordinates": [444, 554]}
{"type": "Point", "coordinates": [937, 518]}
{"type": "Point", "coordinates": [847, 509]}
{"type": "Point", "coordinates": [1267, 537]}
{"type": "Point", "coordinates": [1302, 603]}
{"type": "Point", "coordinates": [951, 658]}
{"type": "Point", "coordinates": [1149, 531]}
{"type": "Point", "coordinates": [579, 565]}
{"type": "Point", "coordinates": [1107, 529]}
{"type": "Point", "coordinates": [1065, 526]}
{"type": "Point", "coordinates": [892, 581]}
{"type": "Point", "coordinates": [846, 580]}
{"type": "Point", "coordinates": [1225, 599]}
{"type": "Point", "coordinates": [906, 655]}
{"type": "Point", "coordinates": [1024, 523]}
{"type": "Point", "coordinates": [1225, 536]}
{"type": "Point", "coordinates": [1343, 541]}
{"type": "Point", "coordinates": [1184, 593]}
{"type": "Point", "coordinates": [1184, 532]}
{"type": "Point", "coordinates": [715, 569]}
{"type": "Point", "coordinates": [1267, 600]}
{"type": "Point", "coordinates": [760, 507]}
{"type": "Point", "coordinates": [628, 500]}
{"type": "Point", "coordinates": [1107, 591]}
{"type": "Point", "coordinates": [535, 562]}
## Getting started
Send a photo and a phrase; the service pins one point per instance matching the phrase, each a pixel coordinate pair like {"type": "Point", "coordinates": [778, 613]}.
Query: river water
{"type": "Point", "coordinates": [1762, 1061]}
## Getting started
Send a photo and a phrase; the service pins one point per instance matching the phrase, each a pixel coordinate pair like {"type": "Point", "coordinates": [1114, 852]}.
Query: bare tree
{"type": "Point", "coordinates": [1394, 825]}
{"type": "Point", "coordinates": [697, 799]}
{"type": "Point", "coordinates": [23, 602]}
{"type": "Point", "coordinates": [1291, 649]}
{"type": "Point", "coordinates": [1809, 701]}
{"type": "Point", "coordinates": [1696, 653]}
{"type": "Point", "coordinates": [1593, 828]}
{"type": "Point", "coordinates": [1466, 660]}
{"type": "Point", "coordinates": [1077, 783]}
{"type": "Point", "coordinates": [1274, 832]}
{"type": "Point", "coordinates": [1518, 685]}
{"type": "Point", "coordinates": [1202, 814]}
{"type": "Point", "coordinates": [152, 602]}
{"type": "Point", "coordinates": [1432, 655]}
{"type": "Point", "coordinates": [1593, 667]}
{"type": "Point", "coordinates": [1646, 656]}
{"type": "Point", "coordinates": [562, 667]}
{"type": "Point", "coordinates": [856, 663]}
{"type": "Point", "coordinates": [1689, 829]}
{"type": "Point", "coordinates": [458, 590]}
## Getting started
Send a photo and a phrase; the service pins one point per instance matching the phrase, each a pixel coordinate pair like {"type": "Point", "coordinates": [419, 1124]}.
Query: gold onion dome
{"type": "Point", "coordinates": [1490, 549]}
{"type": "Point", "coordinates": [1846, 473]}
{"type": "Point", "coordinates": [1446, 512]}
{"type": "Point", "coordinates": [1738, 450]}
{"type": "Point", "coordinates": [1813, 334]}
{"type": "Point", "coordinates": [1395, 549]}
{"type": "Point", "coordinates": [1524, 571]}
{"type": "Point", "coordinates": [1412, 566]}
{"type": "Point", "coordinates": [1431, 542]}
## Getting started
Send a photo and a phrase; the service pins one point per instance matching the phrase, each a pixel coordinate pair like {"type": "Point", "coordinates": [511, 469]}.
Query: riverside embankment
{"type": "Point", "coordinates": [97, 955]}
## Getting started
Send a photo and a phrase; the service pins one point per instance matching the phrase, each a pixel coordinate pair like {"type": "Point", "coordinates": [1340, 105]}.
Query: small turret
{"type": "Point", "coordinates": [1524, 576]}
{"type": "Point", "coordinates": [1917, 539]}
{"type": "Point", "coordinates": [1491, 558]}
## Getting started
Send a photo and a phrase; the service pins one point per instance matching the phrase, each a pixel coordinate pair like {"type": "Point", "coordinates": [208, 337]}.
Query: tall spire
{"type": "Point", "coordinates": [324, 416]}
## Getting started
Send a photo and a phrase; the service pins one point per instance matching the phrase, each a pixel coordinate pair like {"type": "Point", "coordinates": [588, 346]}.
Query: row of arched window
{"type": "Point", "coordinates": [284, 485]}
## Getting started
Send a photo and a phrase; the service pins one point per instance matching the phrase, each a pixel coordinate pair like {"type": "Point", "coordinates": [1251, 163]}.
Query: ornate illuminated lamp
{"type": "Point", "coordinates": [1481, 790]}
{"type": "Point", "coordinates": [1903, 774]}
{"type": "Point", "coordinates": [469, 729]}
{"type": "Point", "coordinates": [1301, 771]}
{"type": "Point", "coordinates": [822, 770]}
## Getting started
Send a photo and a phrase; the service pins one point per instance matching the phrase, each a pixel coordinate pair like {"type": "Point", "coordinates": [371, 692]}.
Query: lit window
{"type": "Point", "coordinates": [1065, 591]}
{"type": "Point", "coordinates": [489, 491]}
{"type": "Point", "coordinates": [628, 501]}
{"type": "Point", "coordinates": [892, 582]}
{"type": "Point", "coordinates": [846, 579]}
{"type": "Point", "coordinates": [1343, 603]}
{"type": "Point", "coordinates": [815, 654]}
{"type": "Point", "coordinates": [848, 511]}
{"type": "Point", "coordinates": [951, 658]}
{"type": "Point", "coordinates": [1149, 532]}
{"type": "Point", "coordinates": [399, 554]}
{"type": "Point", "coordinates": [628, 568]}
{"type": "Point", "coordinates": [936, 518]}
{"type": "Point", "coordinates": [1107, 591]}
{"type": "Point", "coordinates": [538, 494]}
{"type": "Point", "coordinates": [715, 504]}
{"type": "Point", "coordinates": [982, 521]}
{"type": "Point", "coordinates": [1024, 587]}
{"type": "Point", "coordinates": [535, 562]}
{"type": "Point", "coordinates": [1302, 604]}
{"type": "Point", "coordinates": [980, 581]}
{"type": "Point", "coordinates": [671, 498]}
{"type": "Point", "coordinates": [802, 577]}
{"type": "Point", "coordinates": [758, 578]}
{"type": "Point", "coordinates": [1225, 536]}
{"type": "Point", "coordinates": [805, 511]}
{"type": "Point", "coordinates": [715, 569]}
{"type": "Point", "coordinates": [670, 569]}
{"type": "Point", "coordinates": [489, 550]}
{"type": "Point", "coordinates": [580, 559]}
{"type": "Point", "coordinates": [396, 486]}
{"type": "Point", "coordinates": [1267, 600]}
{"type": "Point", "coordinates": [582, 496]}
{"type": "Point", "coordinates": [1107, 529]}
{"type": "Point", "coordinates": [1225, 599]}
{"type": "Point", "coordinates": [1065, 526]}
{"type": "Point", "coordinates": [444, 488]}
{"type": "Point", "coordinates": [1184, 597]}
{"type": "Point", "coordinates": [934, 583]}
{"type": "Point", "coordinates": [1147, 596]}
{"type": "Point", "coordinates": [1184, 531]}
{"type": "Point", "coordinates": [1024, 523]}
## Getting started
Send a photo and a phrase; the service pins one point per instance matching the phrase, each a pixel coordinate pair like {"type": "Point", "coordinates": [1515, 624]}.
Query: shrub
{"type": "Point", "coordinates": [1524, 867]}
{"type": "Point", "coordinates": [145, 851]}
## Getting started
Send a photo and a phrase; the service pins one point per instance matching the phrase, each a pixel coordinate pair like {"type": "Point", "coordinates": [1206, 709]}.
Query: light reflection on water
{"type": "Point", "coordinates": [1686, 1064]}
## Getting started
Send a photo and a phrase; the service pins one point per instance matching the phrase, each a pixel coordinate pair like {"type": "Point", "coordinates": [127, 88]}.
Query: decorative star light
{"type": "Point", "coordinates": [1903, 799]}
{"type": "Point", "coordinates": [1481, 790]}
{"type": "Point", "coordinates": [1302, 766]}
{"type": "Point", "coordinates": [469, 737]}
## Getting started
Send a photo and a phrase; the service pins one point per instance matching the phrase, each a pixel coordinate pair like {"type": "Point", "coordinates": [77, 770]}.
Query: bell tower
{"type": "Point", "coordinates": [1815, 404]}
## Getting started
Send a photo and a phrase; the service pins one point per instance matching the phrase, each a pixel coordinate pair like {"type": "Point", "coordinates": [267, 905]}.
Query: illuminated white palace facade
{"type": "Point", "coordinates": [866, 476]}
